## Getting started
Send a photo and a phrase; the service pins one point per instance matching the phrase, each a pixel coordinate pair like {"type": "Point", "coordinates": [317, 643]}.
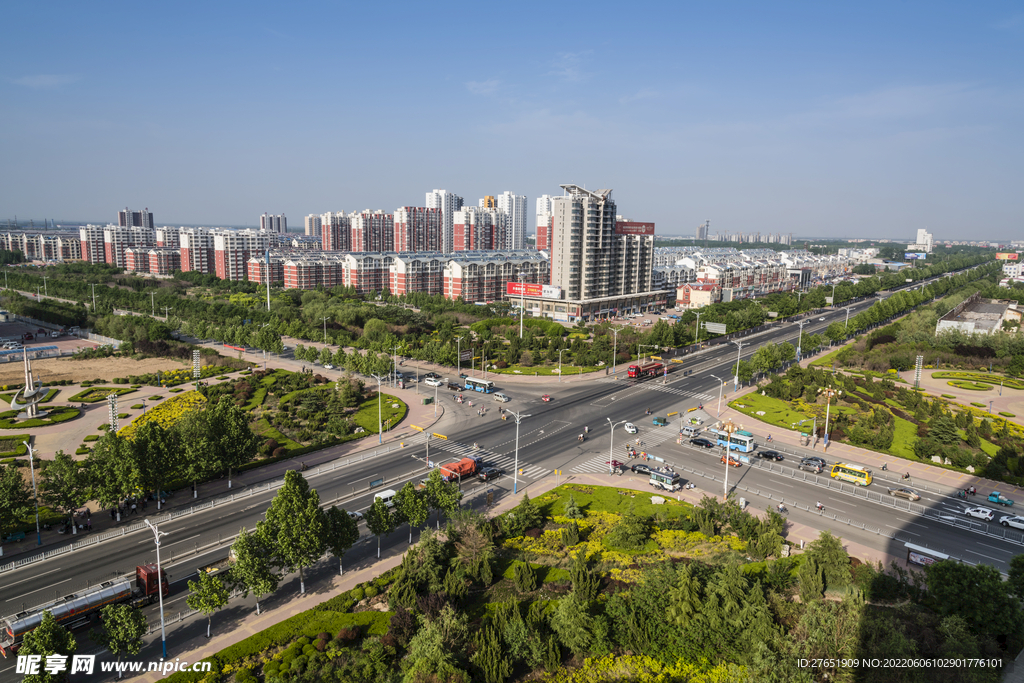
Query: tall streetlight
{"type": "Point", "coordinates": [94, 298]}
{"type": "Point", "coordinates": [829, 393]}
{"type": "Point", "coordinates": [380, 425]}
{"type": "Point", "coordinates": [833, 296]}
{"type": "Point", "coordinates": [394, 366]}
{"type": "Point", "coordinates": [721, 385]}
{"type": "Point", "coordinates": [611, 441]}
{"type": "Point", "coordinates": [166, 310]}
{"type": "Point", "coordinates": [696, 330]}
{"type": "Point", "coordinates": [152, 303]}
{"type": "Point", "coordinates": [515, 476]}
{"type": "Point", "coordinates": [435, 399]}
{"type": "Point", "coordinates": [728, 428]}
{"type": "Point", "coordinates": [325, 329]}
{"type": "Point", "coordinates": [615, 349]}
{"type": "Point", "coordinates": [45, 293]}
{"type": "Point", "coordinates": [522, 302]}
{"type": "Point", "coordinates": [159, 581]}
{"type": "Point", "coordinates": [35, 494]}
{"type": "Point", "coordinates": [560, 364]}
{"type": "Point", "coordinates": [458, 355]}
{"type": "Point", "coordinates": [640, 348]}
{"type": "Point", "coordinates": [739, 352]}
{"type": "Point", "coordinates": [800, 339]}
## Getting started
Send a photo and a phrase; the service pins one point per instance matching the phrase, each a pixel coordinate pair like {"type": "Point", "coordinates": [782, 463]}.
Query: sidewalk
{"type": "Point", "coordinates": [199, 648]}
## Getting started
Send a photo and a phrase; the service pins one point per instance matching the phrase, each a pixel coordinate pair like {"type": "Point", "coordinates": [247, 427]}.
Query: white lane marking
{"type": "Point", "coordinates": [38, 589]}
{"type": "Point", "coordinates": [34, 577]}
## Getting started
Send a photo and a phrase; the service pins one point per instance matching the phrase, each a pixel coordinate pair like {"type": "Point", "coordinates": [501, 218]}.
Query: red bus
{"type": "Point", "coordinates": [646, 370]}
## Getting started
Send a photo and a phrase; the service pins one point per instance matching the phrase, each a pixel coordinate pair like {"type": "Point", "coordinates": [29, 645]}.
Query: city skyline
{"type": "Point", "coordinates": [825, 121]}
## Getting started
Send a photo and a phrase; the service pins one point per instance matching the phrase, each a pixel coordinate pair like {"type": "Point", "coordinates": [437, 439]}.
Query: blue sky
{"type": "Point", "coordinates": [853, 119]}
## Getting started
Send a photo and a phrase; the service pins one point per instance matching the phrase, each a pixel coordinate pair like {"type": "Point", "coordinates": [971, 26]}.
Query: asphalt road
{"type": "Point", "coordinates": [547, 441]}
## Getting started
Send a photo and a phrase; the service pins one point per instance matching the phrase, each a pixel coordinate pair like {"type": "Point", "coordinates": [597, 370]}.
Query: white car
{"type": "Point", "coordinates": [1017, 522]}
{"type": "Point", "coordinates": [983, 514]}
{"type": "Point", "coordinates": [821, 320]}
{"type": "Point", "coordinates": [630, 428]}
{"type": "Point", "coordinates": [433, 382]}
{"type": "Point", "coordinates": [328, 367]}
{"type": "Point", "coordinates": [501, 398]}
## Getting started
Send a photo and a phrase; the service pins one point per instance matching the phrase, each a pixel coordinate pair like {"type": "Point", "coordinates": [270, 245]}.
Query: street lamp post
{"type": "Point", "coordinates": [458, 355]}
{"type": "Point", "coordinates": [696, 331]}
{"type": "Point", "coordinates": [721, 384]}
{"type": "Point", "coordinates": [522, 303]}
{"type": "Point", "coordinates": [739, 352]}
{"type": "Point", "coordinates": [829, 393]}
{"type": "Point", "coordinates": [35, 494]}
{"type": "Point", "coordinates": [45, 292]}
{"type": "Point", "coordinates": [152, 303]}
{"type": "Point", "coordinates": [394, 366]}
{"type": "Point", "coordinates": [380, 425]}
{"type": "Point", "coordinates": [615, 350]}
{"type": "Point", "coordinates": [515, 475]}
{"type": "Point", "coordinates": [728, 428]}
{"type": "Point", "coordinates": [435, 399]}
{"type": "Point", "coordinates": [800, 339]}
{"type": "Point", "coordinates": [560, 364]}
{"type": "Point", "coordinates": [159, 581]}
{"type": "Point", "coordinates": [611, 441]}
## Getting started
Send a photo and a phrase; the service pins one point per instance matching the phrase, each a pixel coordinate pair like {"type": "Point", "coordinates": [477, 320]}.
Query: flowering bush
{"type": "Point", "coordinates": [166, 414]}
{"type": "Point", "coordinates": [695, 544]}
{"type": "Point", "coordinates": [644, 670]}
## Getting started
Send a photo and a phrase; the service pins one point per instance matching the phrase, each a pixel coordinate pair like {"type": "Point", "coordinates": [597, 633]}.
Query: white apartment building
{"type": "Point", "coordinates": [232, 250]}
{"type": "Point", "coordinates": [313, 225]}
{"type": "Point", "coordinates": [116, 239]}
{"type": "Point", "coordinates": [476, 229]}
{"type": "Point", "coordinates": [270, 223]}
{"type": "Point", "coordinates": [449, 203]}
{"type": "Point", "coordinates": [196, 246]}
{"type": "Point", "coordinates": [514, 208]}
{"type": "Point", "coordinates": [335, 231]}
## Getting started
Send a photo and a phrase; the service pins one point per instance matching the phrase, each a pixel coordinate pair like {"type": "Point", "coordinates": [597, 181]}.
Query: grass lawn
{"type": "Point", "coordinates": [11, 445]}
{"type": "Point", "coordinates": [607, 499]}
{"type": "Point", "coordinates": [9, 419]}
{"type": "Point", "coordinates": [828, 357]}
{"type": "Point", "coordinates": [777, 412]}
{"type": "Point", "coordinates": [904, 438]}
{"type": "Point", "coordinates": [543, 371]}
{"type": "Point", "coordinates": [989, 448]}
{"type": "Point", "coordinates": [366, 416]}
{"type": "Point", "coordinates": [993, 378]}
{"type": "Point", "coordinates": [970, 386]}
{"type": "Point", "coordinates": [97, 394]}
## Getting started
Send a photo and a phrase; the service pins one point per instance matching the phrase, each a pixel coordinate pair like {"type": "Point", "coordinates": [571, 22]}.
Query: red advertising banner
{"type": "Point", "coordinates": [524, 289]}
{"type": "Point", "coordinates": [1007, 257]}
{"type": "Point", "coordinates": [633, 228]}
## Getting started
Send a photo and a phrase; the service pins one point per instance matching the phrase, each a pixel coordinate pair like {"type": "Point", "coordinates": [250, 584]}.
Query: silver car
{"type": "Point", "coordinates": [981, 513]}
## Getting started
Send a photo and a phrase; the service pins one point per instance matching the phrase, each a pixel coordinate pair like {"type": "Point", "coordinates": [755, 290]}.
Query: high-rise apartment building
{"type": "Point", "coordinates": [167, 237]}
{"type": "Point", "coordinates": [232, 250]}
{"type": "Point", "coordinates": [116, 239]}
{"type": "Point", "coordinates": [603, 265]}
{"type": "Point", "coordinates": [135, 219]}
{"type": "Point", "coordinates": [91, 238]}
{"type": "Point", "coordinates": [544, 222]}
{"type": "Point", "coordinates": [488, 202]}
{"type": "Point", "coordinates": [196, 245]}
{"type": "Point", "coordinates": [514, 208]}
{"type": "Point", "coordinates": [417, 228]}
{"type": "Point", "coordinates": [449, 203]}
{"type": "Point", "coordinates": [924, 240]}
{"type": "Point", "coordinates": [313, 225]}
{"type": "Point", "coordinates": [702, 230]}
{"type": "Point", "coordinates": [270, 223]}
{"type": "Point", "coordinates": [372, 231]}
{"type": "Point", "coordinates": [335, 231]}
{"type": "Point", "coordinates": [477, 229]}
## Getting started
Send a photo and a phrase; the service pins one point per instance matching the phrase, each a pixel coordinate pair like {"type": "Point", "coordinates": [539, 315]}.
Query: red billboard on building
{"type": "Point", "coordinates": [523, 289]}
{"type": "Point", "coordinates": [633, 228]}
{"type": "Point", "coordinates": [1007, 257]}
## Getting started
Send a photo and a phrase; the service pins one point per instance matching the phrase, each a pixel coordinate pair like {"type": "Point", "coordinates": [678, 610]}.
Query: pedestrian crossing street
{"type": "Point", "coordinates": [668, 389]}
{"type": "Point", "coordinates": [492, 459]}
{"type": "Point", "coordinates": [648, 438]}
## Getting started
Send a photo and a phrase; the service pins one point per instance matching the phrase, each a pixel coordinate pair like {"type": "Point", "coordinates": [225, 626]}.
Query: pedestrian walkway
{"type": "Point", "coordinates": [506, 462]}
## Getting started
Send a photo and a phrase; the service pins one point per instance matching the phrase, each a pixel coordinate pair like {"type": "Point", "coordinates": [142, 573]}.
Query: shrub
{"type": "Point", "coordinates": [347, 635]}
{"type": "Point", "coordinates": [244, 676]}
{"type": "Point", "coordinates": [371, 591]}
{"type": "Point", "coordinates": [278, 452]}
{"type": "Point", "coordinates": [1007, 414]}
{"type": "Point", "coordinates": [525, 578]}
{"type": "Point", "coordinates": [357, 594]}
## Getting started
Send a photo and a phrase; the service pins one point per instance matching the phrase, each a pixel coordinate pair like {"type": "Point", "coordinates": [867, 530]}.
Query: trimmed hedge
{"type": "Point", "coordinates": [91, 437]}
{"type": "Point", "coordinates": [16, 441]}
{"type": "Point", "coordinates": [101, 393]}
{"type": "Point", "coordinates": [9, 418]}
{"type": "Point", "coordinates": [1007, 414]}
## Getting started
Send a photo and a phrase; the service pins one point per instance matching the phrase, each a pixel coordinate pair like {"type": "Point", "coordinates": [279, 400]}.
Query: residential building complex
{"type": "Point", "coordinates": [335, 231]}
{"type": "Point", "coordinates": [514, 208]}
{"type": "Point", "coordinates": [232, 250]}
{"type": "Point", "coordinates": [417, 228]}
{"type": "Point", "coordinates": [275, 224]}
{"type": "Point", "coordinates": [448, 203]}
{"type": "Point", "coordinates": [312, 225]}
{"type": "Point", "coordinates": [43, 246]}
{"type": "Point", "coordinates": [477, 229]}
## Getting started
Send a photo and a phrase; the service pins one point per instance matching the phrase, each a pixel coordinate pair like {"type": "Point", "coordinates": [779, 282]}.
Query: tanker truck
{"type": "Point", "coordinates": [75, 611]}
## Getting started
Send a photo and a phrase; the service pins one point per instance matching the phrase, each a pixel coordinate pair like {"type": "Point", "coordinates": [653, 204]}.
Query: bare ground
{"type": "Point", "coordinates": [55, 369]}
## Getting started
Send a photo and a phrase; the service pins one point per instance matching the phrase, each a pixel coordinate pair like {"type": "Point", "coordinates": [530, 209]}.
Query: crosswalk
{"type": "Point", "coordinates": [595, 465]}
{"type": "Point", "coordinates": [666, 388]}
{"type": "Point", "coordinates": [505, 462]}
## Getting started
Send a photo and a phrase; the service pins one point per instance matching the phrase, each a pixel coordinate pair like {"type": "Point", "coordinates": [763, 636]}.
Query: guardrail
{"type": "Point", "coordinates": [96, 539]}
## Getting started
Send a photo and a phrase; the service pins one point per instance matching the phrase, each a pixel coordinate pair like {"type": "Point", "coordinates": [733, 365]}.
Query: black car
{"type": "Point", "coordinates": [770, 455]}
{"type": "Point", "coordinates": [821, 461]}
{"type": "Point", "coordinates": [703, 443]}
{"type": "Point", "coordinates": [489, 473]}
{"type": "Point", "coordinates": [431, 375]}
{"type": "Point", "coordinates": [640, 468]}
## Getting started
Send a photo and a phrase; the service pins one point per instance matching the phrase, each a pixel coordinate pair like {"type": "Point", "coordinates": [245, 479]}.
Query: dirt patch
{"type": "Point", "coordinates": [55, 369]}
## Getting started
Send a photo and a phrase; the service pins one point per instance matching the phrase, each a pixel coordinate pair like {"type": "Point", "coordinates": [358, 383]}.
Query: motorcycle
{"type": "Point", "coordinates": [961, 495]}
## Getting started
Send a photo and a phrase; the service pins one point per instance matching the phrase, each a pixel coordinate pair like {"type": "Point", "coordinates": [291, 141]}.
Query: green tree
{"type": "Point", "coordinates": [65, 484]}
{"type": "Point", "coordinates": [154, 456]}
{"type": "Point", "coordinates": [123, 629]}
{"type": "Point", "coordinates": [233, 442]}
{"type": "Point", "coordinates": [379, 520]}
{"type": "Point", "coordinates": [15, 500]}
{"type": "Point", "coordinates": [252, 570]}
{"type": "Point", "coordinates": [342, 533]}
{"type": "Point", "coordinates": [975, 593]}
{"type": "Point", "coordinates": [412, 505]}
{"type": "Point", "coordinates": [433, 653]}
{"type": "Point", "coordinates": [490, 656]}
{"type": "Point", "coordinates": [442, 496]}
{"type": "Point", "coordinates": [207, 595]}
{"type": "Point", "coordinates": [943, 430]}
{"type": "Point", "coordinates": [523, 516]}
{"type": "Point", "coordinates": [571, 623]}
{"type": "Point", "coordinates": [294, 526]}
{"type": "Point", "coordinates": [572, 509]}
{"type": "Point", "coordinates": [112, 476]}
{"type": "Point", "coordinates": [1017, 575]}
{"type": "Point", "coordinates": [49, 638]}
{"type": "Point", "coordinates": [524, 577]}
{"type": "Point", "coordinates": [831, 557]}
{"type": "Point", "coordinates": [631, 532]}
{"type": "Point", "coordinates": [584, 581]}
{"type": "Point", "coordinates": [325, 356]}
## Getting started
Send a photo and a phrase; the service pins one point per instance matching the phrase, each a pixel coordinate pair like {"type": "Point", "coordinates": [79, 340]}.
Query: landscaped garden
{"type": "Point", "coordinates": [971, 386]}
{"type": "Point", "coordinates": [95, 394]}
{"type": "Point", "coordinates": [165, 414]}
{"type": "Point", "coordinates": [892, 419]}
{"type": "Point", "coordinates": [9, 418]}
{"type": "Point", "coordinates": [980, 378]}
{"type": "Point", "coordinates": [590, 584]}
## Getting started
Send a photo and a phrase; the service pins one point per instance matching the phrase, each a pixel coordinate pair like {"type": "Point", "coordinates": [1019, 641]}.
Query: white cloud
{"type": "Point", "coordinates": [568, 66]}
{"type": "Point", "coordinates": [483, 87]}
{"type": "Point", "coordinates": [45, 81]}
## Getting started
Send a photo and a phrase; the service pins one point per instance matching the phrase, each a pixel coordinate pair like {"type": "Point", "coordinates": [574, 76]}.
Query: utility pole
{"type": "Point", "coordinates": [739, 352]}
{"type": "Point", "coordinates": [94, 299]}
{"type": "Point", "coordinates": [152, 302]}
{"type": "Point", "coordinates": [166, 310]}
{"type": "Point", "coordinates": [325, 330]}
{"type": "Point", "coordinates": [522, 303]}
